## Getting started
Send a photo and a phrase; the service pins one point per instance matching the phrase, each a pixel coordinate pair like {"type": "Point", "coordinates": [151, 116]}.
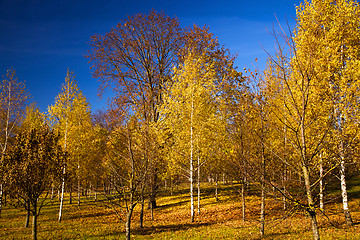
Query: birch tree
{"type": "Point", "coordinates": [329, 31]}
{"type": "Point", "coordinates": [188, 111]}
{"type": "Point", "coordinates": [71, 117]}
{"type": "Point", "coordinates": [13, 99]}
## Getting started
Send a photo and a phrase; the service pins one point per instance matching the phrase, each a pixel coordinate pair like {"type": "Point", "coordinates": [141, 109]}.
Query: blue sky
{"type": "Point", "coordinates": [41, 39]}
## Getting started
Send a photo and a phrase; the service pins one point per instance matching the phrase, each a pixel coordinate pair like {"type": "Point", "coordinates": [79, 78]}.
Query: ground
{"type": "Point", "coordinates": [218, 219]}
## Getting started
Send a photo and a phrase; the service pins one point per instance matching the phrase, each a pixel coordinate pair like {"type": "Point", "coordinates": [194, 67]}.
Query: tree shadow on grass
{"type": "Point", "coordinates": [89, 215]}
{"type": "Point", "coordinates": [168, 228]}
{"type": "Point", "coordinates": [171, 205]}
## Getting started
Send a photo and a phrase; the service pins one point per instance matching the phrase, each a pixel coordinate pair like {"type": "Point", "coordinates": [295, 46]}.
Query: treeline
{"type": "Point", "coordinates": [181, 111]}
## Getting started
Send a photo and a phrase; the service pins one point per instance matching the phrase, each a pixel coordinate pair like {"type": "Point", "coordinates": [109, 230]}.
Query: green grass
{"type": "Point", "coordinates": [218, 220]}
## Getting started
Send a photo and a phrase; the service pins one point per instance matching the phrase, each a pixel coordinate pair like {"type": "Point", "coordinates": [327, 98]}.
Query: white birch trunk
{"type": "Point", "coordinates": [198, 185]}
{"type": "Point", "coordinates": [321, 193]}
{"type": "Point", "coordinates": [191, 172]}
{"type": "Point", "coordinates": [64, 171]}
{"type": "Point", "coordinates": [344, 195]}
{"type": "Point", "coordinates": [1, 197]}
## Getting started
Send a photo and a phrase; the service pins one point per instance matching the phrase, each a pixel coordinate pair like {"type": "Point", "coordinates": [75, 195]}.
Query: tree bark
{"type": "Point", "coordinates": [52, 192]}
{"type": "Point", "coordinates": [141, 218]}
{"type": "Point", "coordinates": [70, 193]}
{"type": "Point", "coordinates": [1, 197]}
{"type": "Point", "coordinates": [310, 208]}
{"type": "Point", "coordinates": [262, 208]}
{"type": "Point", "coordinates": [243, 199]}
{"type": "Point", "coordinates": [191, 170]}
{"type": "Point", "coordinates": [344, 195]}
{"type": "Point", "coordinates": [62, 196]}
{"type": "Point", "coordinates": [321, 193]}
{"type": "Point", "coordinates": [79, 188]}
{"type": "Point", "coordinates": [27, 219]}
{"type": "Point", "coordinates": [128, 221]}
{"type": "Point", "coordinates": [34, 227]}
{"type": "Point", "coordinates": [198, 186]}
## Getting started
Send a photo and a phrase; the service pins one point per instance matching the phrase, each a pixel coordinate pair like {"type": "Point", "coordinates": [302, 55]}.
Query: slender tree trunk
{"type": "Point", "coordinates": [27, 219]}
{"type": "Point", "coordinates": [262, 208]}
{"type": "Point", "coordinates": [34, 222]}
{"type": "Point", "coordinates": [52, 192]}
{"type": "Point", "coordinates": [191, 172]}
{"type": "Point", "coordinates": [285, 167]}
{"type": "Point", "coordinates": [198, 185]}
{"type": "Point", "coordinates": [79, 188]}
{"type": "Point", "coordinates": [70, 193]}
{"type": "Point", "coordinates": [311, 208]}
{"type": "Point", "coordinates": [141, 218]}
{"type": "Point", "coordinates": [34, 227]}
{"type": "Point", "coordinates": [321, 193]}
{"type": "Point", "coordinates": [1, 196]}
{"type": "Point", "coordinates": [344, 195]}
{"type": "Point", "coordinates": [284, 188]}
{"type": "Point", "coordinates": [62, 196]}
{"type": "Point", "coordinates": [216, 188]}
{"type": "Point", "coordinates": [243, 199]}
{"type": "Point", "coordinates": [172, 186]}
{"type": "Point", "coordinates": [128, 221]}
{"type": "Point", "coordinates": [95, 193]}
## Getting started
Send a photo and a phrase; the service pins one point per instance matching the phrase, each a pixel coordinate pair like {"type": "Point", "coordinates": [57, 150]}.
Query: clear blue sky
{"type": "Point", "coordinates": [40, 39]}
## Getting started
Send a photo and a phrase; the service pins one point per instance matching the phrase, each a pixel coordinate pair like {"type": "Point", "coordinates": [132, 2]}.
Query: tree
{"type": "Point", "coordinates": [189, 112]}
{"type": "Point", "coordinates": [297, 90]}
{"type": "Point", "coordinates": [328, 31]}
{"type": "Point", "coordinates": [33, 119]}
{"type": "Point", "coordinates": [71, 117]}
{"type": "Point", "coordinates": [13, 98]}
{"type": "Point", "coordinates": [31, 167]}
{"type": "Point", "coordinates": [128, 165]}
{"type": "Point", "coordinates": [135, 59]}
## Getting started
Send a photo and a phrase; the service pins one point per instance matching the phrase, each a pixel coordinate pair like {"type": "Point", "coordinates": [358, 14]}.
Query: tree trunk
{"type": "Point", "coordinates": [62, 197]}
{"type": "Point", "coordinates": [128, 221]}
{"type": "Point", "coordinates": [321, 193]}
{"type": "Point", "coordinates": [27, 219]}
{"type": "Point", "coordinates": [1, 196]}
{"type": "Point", "coordinates": [34, 227]}
{"type": "Point", "coordinates": [262, 208]}
{"type": "Point", "coordinates": [191, 178]}
{"type": "Point", "coordinates": [198, 186]}
{"type": "Point", "coordinates": [141, 218]}
{"type": "Point", "coordinates": [344, 195]}
{"type": "Point", "coordinates": [191, 172]}
{"type": "Point", "coordinates": [79, 189]}
{"type": "Point", "coordinates": [70, 193]}
{"type": "Point", "coordinates": [152, 204]}
{"type": "Point", "coordinates": [52, 192]}
{"type": "Point", "coordinates": [95, 192]}
{"type": "Point", "coordinates": [284, 189]}
{"type": "Point", "coordinates": [216, 188]}
{"type": "Point", "coordinates": [172, 187]}
{"type": "Point", "coordinates": [311, 208]}
{"type": "Point", "coordinates": [243, 199]}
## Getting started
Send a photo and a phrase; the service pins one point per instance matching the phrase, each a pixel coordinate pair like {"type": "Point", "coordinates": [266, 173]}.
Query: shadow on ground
{"type": "Point", "coordinates": [168, 228]}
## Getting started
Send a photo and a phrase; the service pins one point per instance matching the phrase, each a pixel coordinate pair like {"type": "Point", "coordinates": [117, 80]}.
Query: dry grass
{"type": "Point", "coordinates": [218, 220]}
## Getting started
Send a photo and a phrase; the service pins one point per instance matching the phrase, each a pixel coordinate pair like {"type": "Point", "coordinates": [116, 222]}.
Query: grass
{"type": "Point", "coordinates": [218, 220]}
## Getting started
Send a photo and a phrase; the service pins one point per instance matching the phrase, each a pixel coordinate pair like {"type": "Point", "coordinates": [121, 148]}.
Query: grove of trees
{"type": "Point", "coordinates": [181, 110]}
